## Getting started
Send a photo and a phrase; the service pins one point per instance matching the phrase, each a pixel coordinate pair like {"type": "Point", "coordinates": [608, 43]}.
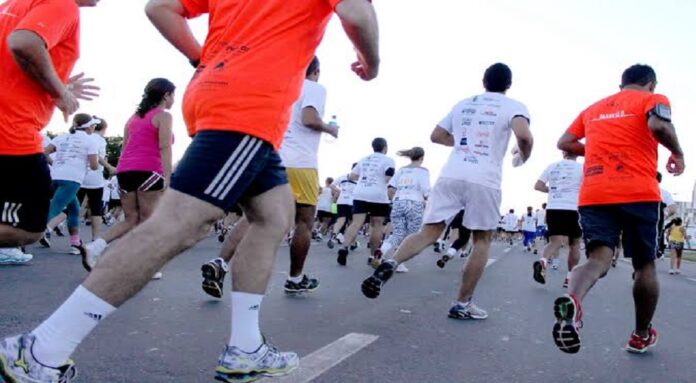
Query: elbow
{"type": "Point", "coordinates": [434, 138]}
{"type": "Point", "coordinates": [17, 44]}
{"type": "Point", "coordinates": [153, 7]}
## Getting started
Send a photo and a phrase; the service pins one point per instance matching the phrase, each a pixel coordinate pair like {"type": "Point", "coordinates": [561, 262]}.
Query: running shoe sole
{"type": "Point", "coordinates": [539, 272]}
{"type": "Point", "coordinates": [221, 238]}
{"type": "Point", "coordinates": [250, 376]}
{"type": "Point", "coordinates": [441, 263]}
{"type": "Point", "coordinates": [371, 287]}
{"type": "Point", "coordinates": [210, 285]}
{"type": "Point", "coordinates": [458, 316]}
{"type": "Point", "coordinates": [300, 291]}
{"type": "Point", "coordinates": [565, 335]}
{"type": "Point", "coordinates": [330, 244]}
{"type": "Point", "coordinates": [633, 350]}
{"type": "Point", "coordinates": [342, 257]}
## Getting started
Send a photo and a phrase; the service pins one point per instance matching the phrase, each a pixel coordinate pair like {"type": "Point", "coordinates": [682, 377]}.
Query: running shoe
{"type": "Point", "coordinates": [467, 311]}
{"type": "Point", "coordinates": [237, 366]}
{"type": "Point", "coordinates": [45, 241]}
{"type": "Point", "coordinates": [59, 231]}
{"type": "Point", "coordinates": [330, 243]}
{"type": "Point", "coordinates": [539, 272]}
{"type": "Point", "coordinates": [372, 286]}
{"type": "Point", "coordinates": [14, 256]}
{"type": "Point", "coordinates": [536, 252]}
{"type": "Point", "coordinates": [566, 331]}
{"type": "Point", "coordinates": [91, 253]}
{"type": "Point", "coordinates": [304, 286]}
{"type": "Point", "coordinates": [613, 262]}
{"type": "Point", "coordinates": [677, 271]}
{"type": "Point", "coordinates": [442, 261]}
{"type": "Point", "coordinates": [439, 245]}
{"type": "Point", "coordinates": [671, 271]}
{"type": "Point", "coordinates": [402, 268]}
{"type": "Point", "coordinates": [340, 238]}
{"type": "Point", "coordinates": [376, 258]}
{"type": "Point", "coordinates": [342, 257]}
{"type": "Point", "coordinates": [355, 245]}
{"type": "Point", "coordinates": [17, 363]}
{"type": "Point", "coordinates": [639, 345]}
{"type": "Point", "coordinates": [76, 249]}
{"type": "Point", "coordinates": [213, 277]}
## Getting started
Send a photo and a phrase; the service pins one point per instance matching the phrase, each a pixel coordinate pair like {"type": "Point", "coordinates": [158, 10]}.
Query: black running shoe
{"type": "Point", "coordinates": [331, 243]}
{"type": "Point", "coordinates": [342, 257]}
{"type": "Point", "coordinates": [304, 286]}
{"type": "Point", "coordinates": [45, 241]}
{"type": "Point", "coordinates": [58, 231]}
{"type": "Point", "coordinates": [213, 277]}
{"type": "Point", "coordinates": [539, 272]}
{"type": "Point", "coordinates": [372, 286]}
{"type": "Point", "coordinates": [442, 261]}
{"type": "Point", "coordinates": [354, 246]}
{"type": "Point", "coordinates": [566, 331]}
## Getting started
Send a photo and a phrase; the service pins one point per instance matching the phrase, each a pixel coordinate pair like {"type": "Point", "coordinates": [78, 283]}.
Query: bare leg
{"type": "Point", "coordinates": [646, 291]}
{"type": "Point", "coordinates": [339, 225]}
{"type": "Point", "coordinates": [416, 243]}
{"type": "Point", "coordinates": [14, 237]}
{"type": "Point", "coordinates": [229, 247]}
{"type": "Point", "coordinates": [573, 253]}
{"type": "Point", "coordinates": [476, 264]}
{"type": "Point", "coordinates": [552, 248]}
{"type": "Point", "coordinates": [583, 277]}
{"type": "Point", "coordinates": [352, 231]}
{"type": "Point", "coordinates": [129, 204]}
{"type": "Point", "coordinates": [301, 239]}
{"type": "Point", "coordinates": [376, 232]}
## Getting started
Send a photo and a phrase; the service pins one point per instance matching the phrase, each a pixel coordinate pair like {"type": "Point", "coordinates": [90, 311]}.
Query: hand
{"type": "Point", "coordinates": [67, 103]}
{"type": "Point", "coordinates": [332, 130]}
{"type": "Point", "coordinates": [80, 87]}
{"type": "Point", "coordinates": [675, 164]}
{"type": "Point", "coordinates": [364, 70]}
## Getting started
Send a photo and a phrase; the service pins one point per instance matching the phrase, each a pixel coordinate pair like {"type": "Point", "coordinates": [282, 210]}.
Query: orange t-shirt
{"type": "Point", "coordinates": [620, 150]}
{"type": "Point", "coordinates": [253, 63]}
{"type": "Point", "coordinates": [25, 108]}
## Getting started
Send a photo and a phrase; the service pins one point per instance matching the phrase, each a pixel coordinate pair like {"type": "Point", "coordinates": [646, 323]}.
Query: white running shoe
{"type": "Point", "coordinates": [401, 268]}
{"type": "Point", "coordinates": [14, 256]}
{"type": "Point", "coordinates": [157, 276]}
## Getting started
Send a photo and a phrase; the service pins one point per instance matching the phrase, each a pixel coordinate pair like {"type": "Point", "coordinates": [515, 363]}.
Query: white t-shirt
{"type": "Point", "coordinates": [325, 199]}
{"type": "Point", "coordinates": [563, 179]}
{"type": "Point", "coordinates": [411, 183]}
{"type": "Point", "coordinates": [529, 223]}
{"type": "Point", "coordinates": [72, 149]}
{"type": "Point", "coordinates": [541, 217]}
{"type": "Point", "coordinates": [510, 222]}
{"type": "Point", "coordinates": [481, 127]}
{"type": "Point", "coordinates": [346, 186]}
{"type": "Point", "coordinates": [667, 198]}
{"type": "Point", "coordinates": [95, 178]}
{"type": "Point", "coordinates": [372, 185]}
{"type": "Point", "coordinates": [300, 145]}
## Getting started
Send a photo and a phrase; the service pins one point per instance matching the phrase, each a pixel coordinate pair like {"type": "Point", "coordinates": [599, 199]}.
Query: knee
{"type": "Point", "coordinates": [29, 238]}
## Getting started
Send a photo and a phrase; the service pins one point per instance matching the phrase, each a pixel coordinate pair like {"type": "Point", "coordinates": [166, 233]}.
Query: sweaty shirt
{"type": "Point", "coordinates": [346, 185]}
{"type": "Point", "coordinates": [411, 183]}
{"type": "Point", "coordinates": [563, 179]}
{"type": "Point", "coordinates": [372, 184]}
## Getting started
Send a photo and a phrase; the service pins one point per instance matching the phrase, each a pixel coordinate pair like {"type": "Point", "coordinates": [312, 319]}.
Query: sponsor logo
{"type": "Point", "coordinates": [490, 113]}
{"type": "Point", "coordinates": [466, 122]}
{"type": "Point", "coordinates": [611, 116]}
{"type": "Point", "coordinates": [487, 123]}
{"type": "Point", "coordinates": [469, 111]}
{"type": "Point", "coordinates": [96, 317]}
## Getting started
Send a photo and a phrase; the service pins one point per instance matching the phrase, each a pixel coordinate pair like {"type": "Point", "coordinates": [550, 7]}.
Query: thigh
{"type": "Point", "coordinates": [25, 194]}
{"type": "Point", "coordinates": [640, 232]}
{"type": "Point", "coordinates": [601, 226]}
{"type": "Point", "coordinates": [444, 201]}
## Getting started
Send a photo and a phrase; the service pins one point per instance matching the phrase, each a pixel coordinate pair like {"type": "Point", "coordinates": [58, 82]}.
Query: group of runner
{"type": "Point", "coordinates": [254, 109]}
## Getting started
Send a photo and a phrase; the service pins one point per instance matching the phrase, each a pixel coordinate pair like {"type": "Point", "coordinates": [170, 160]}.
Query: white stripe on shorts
{"type": "Point", "coordinates": [233, 157]}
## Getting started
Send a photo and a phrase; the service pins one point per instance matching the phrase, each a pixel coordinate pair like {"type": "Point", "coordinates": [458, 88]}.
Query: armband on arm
{"type": "Point", "coordinates": [661, 111]}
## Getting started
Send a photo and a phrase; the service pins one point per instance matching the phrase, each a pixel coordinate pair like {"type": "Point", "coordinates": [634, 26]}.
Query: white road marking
{"type": "Point", "coordinates": [507, 250]}
{"type": "Point", "coordinates": [692, 279]}
{"type": "Point", "coordinates": [325, 358]}
{"type": "Point", "coordinates": [490, 262]}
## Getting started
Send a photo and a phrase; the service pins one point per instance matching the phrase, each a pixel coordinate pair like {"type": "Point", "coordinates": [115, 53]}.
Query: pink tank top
{"type": "Point", "coordinates": [141, 152]}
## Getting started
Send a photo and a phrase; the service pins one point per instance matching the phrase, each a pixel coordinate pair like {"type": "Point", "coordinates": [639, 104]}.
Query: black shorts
{"type": "Point", "coordinates": [139, 181]}
{"type": "Point", "coordinates": [25, 194]}
{"type": "Point", "coordinates": [563, 222]}
{"type": "Point", "coordinates": [634, 224]}
{"type": "Point", "coordinates": [380, 210]}
{"type": "Point", "coordinates": [225, 167]}
{"type": "Point", "coordinates": [321, 214]}
{"type": "Point", "coordinates": [94, 200]}
{"type": "Point", "coordinates": [114, 203]}
{"type": "Point", "coordinates": [345, 211]}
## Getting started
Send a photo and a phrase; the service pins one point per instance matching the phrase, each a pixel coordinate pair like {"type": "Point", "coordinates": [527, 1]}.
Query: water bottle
{"type": "Point", "coordinates": [329, 139]}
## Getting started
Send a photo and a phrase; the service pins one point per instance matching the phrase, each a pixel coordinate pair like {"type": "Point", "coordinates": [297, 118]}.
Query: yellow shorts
{"type": "Point", "coordinates": [304, 183]}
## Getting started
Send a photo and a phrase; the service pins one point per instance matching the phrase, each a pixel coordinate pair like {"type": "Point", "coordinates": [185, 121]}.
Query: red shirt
{"type": "Point", "coordinates": [253, 64]}
{"type": "Point", "coordinates": [25, 108]}
{"type": "Point", "coordinates": [620, 150]}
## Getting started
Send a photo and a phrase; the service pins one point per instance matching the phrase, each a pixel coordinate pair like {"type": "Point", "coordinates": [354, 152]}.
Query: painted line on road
{"type": "Point", "coordinates": [325, 358]}
{"type": "Point", "coordinates": [490, 262]}
{"type": "Point", "coordinates": [692, 279]}
{"type": "Point", "coordinates": [507, 250]}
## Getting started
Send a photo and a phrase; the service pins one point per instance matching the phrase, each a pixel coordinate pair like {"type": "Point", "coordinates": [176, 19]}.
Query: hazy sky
{"type": "Point", "coordinates": [564, 55]}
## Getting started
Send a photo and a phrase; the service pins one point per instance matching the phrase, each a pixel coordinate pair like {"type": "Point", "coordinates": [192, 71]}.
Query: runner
{"type": "Point", "coordinates": [619, 193]}
{"type": "Point", "coordinates": [463, 236]}
{"type": "Point", "coordinates": [76, 153]}
{"type": "Point", "coordinates": [145, 166]}
{"type": "Point", "coordinates": [677, 237]}
{"type": "Point", "coordinates": [479, 129]}
{"type": "Point", "coordinates": [370, 198]}
{"type": "Point", "coordinates": [226, 109]}
{"type": "Point", "coordinates": [668, 210]}
{"type": "Point", "coordinates": [38, 49]}
{"type": "Point", "coordinates": [541, 227]}
{"type": "Point", "coordinates": [324, 214]}
{"type": "Point", "coordinates": [511, 226]}
{"type": "Point", "coordinates": [528, 224]}
{"type": "Point", "coordinates": [409, 189]}
{"type": "Point", "coordinates": [346, 186]}
{"type": "Point", "coordinates": [561, 180]}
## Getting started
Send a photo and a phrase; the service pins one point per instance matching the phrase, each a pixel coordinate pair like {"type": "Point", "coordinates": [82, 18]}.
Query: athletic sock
{"type": "Point", "coordinates": [451, 252]}
{"type": "Point", "coordinates": [295, 279]}
{"type": "Point", "coordinates": [75, 239]}
{"type": "Point", "coordinates": [59, 335]}
{"type": "Point", "coordinates": [386, 247]}
{"type": "Point", "coordinates": [245, 333]}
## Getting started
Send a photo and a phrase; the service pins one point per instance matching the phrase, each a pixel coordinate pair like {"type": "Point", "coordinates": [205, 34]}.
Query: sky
{"type": "Point", "coordinates": [564, 55]}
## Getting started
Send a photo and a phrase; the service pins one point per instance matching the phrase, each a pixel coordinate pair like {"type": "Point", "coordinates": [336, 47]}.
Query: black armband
{"type": "Point", "coordinates": [661, 111]}
{"type": "Point", "coordinates": [390, 172]}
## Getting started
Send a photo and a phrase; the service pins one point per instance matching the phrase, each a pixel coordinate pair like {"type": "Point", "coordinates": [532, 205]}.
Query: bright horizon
{"type": "Point", "coordinates": [564, 56]}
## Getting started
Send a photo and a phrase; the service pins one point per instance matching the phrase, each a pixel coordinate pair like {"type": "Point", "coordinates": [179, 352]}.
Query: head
{"type": "Point", "coordinates": [569, 156]}
{"type": "Point", "coordinates": [379, 145]}
{"type": "Point", "coordinates": [639, 77]}
{"type": "Point", "coordinates": [100, 128]}
{"type": "Point", "coordinates": [329, 181]}
{"type": "Point", "coordinates": [312, 73]}
{"type": "Point", "coordinates": [543, 205]}
{"type": "Point", "coordinates": [497, 78]}
{"type": "Point", "coordinates": [530, 210]}
{"type": "Point", "coordinates": [87, 3]}
{"type": "Point", "coordinates": [659, 177]}
{"type": "Point", "coordinates": [84, 122]}
{"type": "Point", "coordinates": [159, 93]}
{"type": "Point", "coordinates": [512, 211]}
{"type": "Point", "coordinates": [678, 221]}
{"type": "Point", "coordinates": [415, 154]}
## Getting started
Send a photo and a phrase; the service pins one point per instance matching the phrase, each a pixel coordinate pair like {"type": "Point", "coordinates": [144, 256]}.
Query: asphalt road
{"type": "Point", "coordinates": [173, 332]}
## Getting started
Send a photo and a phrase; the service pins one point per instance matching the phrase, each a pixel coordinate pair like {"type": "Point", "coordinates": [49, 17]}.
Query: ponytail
{"type": "Point", "coordinates": [155, 91]}
{"type": "Point", "coordinates": [414, 154]}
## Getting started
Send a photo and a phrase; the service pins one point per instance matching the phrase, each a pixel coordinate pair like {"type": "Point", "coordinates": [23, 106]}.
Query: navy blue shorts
{"type": "Point", "coordinates": [223, 168]}
{"type": "Point", "coordinates": [604, 225]}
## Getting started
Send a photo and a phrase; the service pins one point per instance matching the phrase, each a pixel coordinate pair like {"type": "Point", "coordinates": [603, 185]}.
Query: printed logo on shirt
{"type": "Point", "coordinates": [254, 308]}
{"type": "Point", "coordinates": [96, 317]}
{"type": "Point", "coordinates": [611, 116]}
{"type": "Point", "coordinates": [486, 122]}
{"type": "Point", "coordinates": [466, 122]}
{"type": "Point", "coordinates": [469, 111]}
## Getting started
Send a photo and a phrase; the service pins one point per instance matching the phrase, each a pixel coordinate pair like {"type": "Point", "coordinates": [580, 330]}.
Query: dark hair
{"type": "Point", "coordinates": [543, 205]}
{"type": "Point", "coordinates": [497, 78]}
{"type": "Point", "coordinates": [329, 180]}
{"type": "Point", "coordinates": [313, 66]}
{"type": "Point", "coordinates": [512, 210]}
{"type": "Point", "coordinates": [378, 144]}
{"type": "Point", "coordinates": [354, 165]}
{"type": "Point", "coordinates": [79, 120]}
{"type": "Point", "coordinates": [101, 125]}
{"type": "Point", "coordinates": [659, 177]}
{"type": "Point", "coordinates": [155, 90]}
{"type": "Point", "coordinates": [638, 74]}
{"type": "Point", "coordinates": [415, 153]}
{"type": "Point", "coordinates": [678, 221]}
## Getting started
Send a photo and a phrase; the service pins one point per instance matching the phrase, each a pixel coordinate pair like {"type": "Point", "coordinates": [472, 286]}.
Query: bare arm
{"type": "Point", "coordinates": [541, 186]}
{"type": "Point", "coordinates": [525, 141]}
{"type": "Point", "coordinates": [93, 161]}
{"type": "Point", "coordinates": [48, 150]}
{"type": "Point", "coordinates": [169, 17]}
{"type": "Point", "coordinates": [664, 133]}
{"type": "Point", "coordinates": [442, 137]}
{"type": "Point", "coordinates": [312, 120]}
{"type": "Point", "coordinates": [391, 191]}
{"type": "Point", "coordinates": [359, 21]}
{"type": "Point", "coordinates": [571, 144]}
{"type": "Point", "coordinates": [30, 53]}
{"type": "Point", "coordinates": [163, 122]}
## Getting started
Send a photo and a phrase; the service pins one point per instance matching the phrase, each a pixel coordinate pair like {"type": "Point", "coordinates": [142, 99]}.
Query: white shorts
{"type": "Point", "coordinates": [481, 204]}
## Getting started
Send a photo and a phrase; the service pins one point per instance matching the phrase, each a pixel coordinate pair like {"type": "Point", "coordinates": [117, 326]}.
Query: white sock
{"type": "Point", "coordinates": [568, 275]}
{"type": "Point", "coordinates": [451, 252]}
{"type": "Point", "coordinates": [386, 247]}
{"type": "Point", "coordinates": [244, 332]}
{"type": "Point", "coordinates": [98, 246]}
{"type": "Point", "coordinates": [59, 335]}
{"type": "Point", "coordinates": [295, 279]}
